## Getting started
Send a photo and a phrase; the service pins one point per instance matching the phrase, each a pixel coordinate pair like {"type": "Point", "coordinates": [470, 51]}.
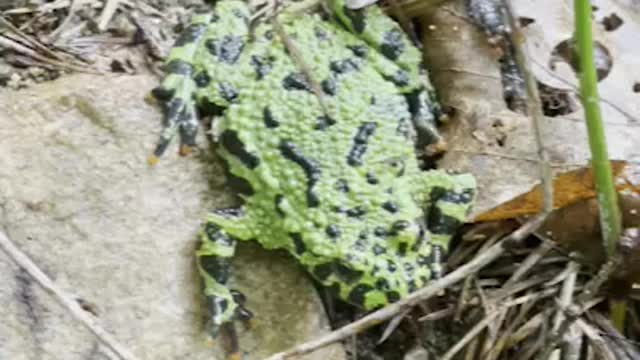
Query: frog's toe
{"type": "Point", "coordinates": [241, 312]}
{"type": "Point", "coordinates": [180, 117]}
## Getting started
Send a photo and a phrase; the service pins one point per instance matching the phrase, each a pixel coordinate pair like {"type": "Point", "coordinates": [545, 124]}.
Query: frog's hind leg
{"type": "Point", "coordinates": [178, 88]}
{"type": "Point", "coordinates": [450, 197]}
{"type": "Point", "coordinates": [214, 265]}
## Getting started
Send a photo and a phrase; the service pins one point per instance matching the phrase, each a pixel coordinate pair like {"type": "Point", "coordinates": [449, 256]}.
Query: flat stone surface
{"type": "Point", "coordinates": [77, 196]}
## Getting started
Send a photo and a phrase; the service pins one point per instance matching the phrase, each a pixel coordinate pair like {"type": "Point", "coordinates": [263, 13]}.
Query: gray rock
{"type": "Point", "coordinates": [77, 196]}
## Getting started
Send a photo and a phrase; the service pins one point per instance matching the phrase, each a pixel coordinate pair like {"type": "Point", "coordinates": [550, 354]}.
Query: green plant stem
{"type": "Point", "coordinates": [607, 196]}
{"type": "Point", "coordinates": [610, 219]}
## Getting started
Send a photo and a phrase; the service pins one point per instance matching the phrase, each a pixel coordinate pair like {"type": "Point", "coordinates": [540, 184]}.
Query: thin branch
{"type": "Point", "coordinates": [534, 107]}
{"type": "Point", "coordinates": [389, 311]}
{"type": "Point", "coordinates": [66, 300]}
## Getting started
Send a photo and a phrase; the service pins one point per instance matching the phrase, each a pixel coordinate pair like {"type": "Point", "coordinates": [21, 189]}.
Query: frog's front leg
{"type": "Point", "coordinates": [177, 89]}
{"type": "Point", "coordinates": [214, 265]}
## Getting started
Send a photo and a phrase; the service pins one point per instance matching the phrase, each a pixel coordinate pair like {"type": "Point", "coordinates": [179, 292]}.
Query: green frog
{"type": "Point", "coordinates": [318, 118]}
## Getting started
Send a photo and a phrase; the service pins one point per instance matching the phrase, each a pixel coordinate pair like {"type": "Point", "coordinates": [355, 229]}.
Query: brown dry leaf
{"type": "Point", "coordinates": [576, 228]}
{"type": "Point", "coordinates": [568, 188]}
{"type": "Point", "coordinates": [498, 145]}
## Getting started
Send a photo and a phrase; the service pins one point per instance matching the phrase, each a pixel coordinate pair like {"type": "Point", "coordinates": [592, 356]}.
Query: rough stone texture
{"type": "Point", "coordinates": [78, 197]}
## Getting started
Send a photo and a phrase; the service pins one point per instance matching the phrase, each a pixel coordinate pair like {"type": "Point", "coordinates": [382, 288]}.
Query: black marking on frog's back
{"type": "Point", "coordinates": [333, 231]}
{"type": "Point", "coordinates": [227, 49]}
{"type": "Point", "coordinates": [358, 294]}
{"type": "Point", "coordinates": [412, 286]}
{"type": "Point", "coordinates": [338, 209]}
{"type": "Point", "coordinates": [342, 185]}
{"type": "Point", "coordinates": [391, 266]}
{"type": "Point", "coordinates": [378, 249]}
{"type": "Point", "coordinates": [380, 231]}
{"type": "Point", "coordinates": [296, 81]}
{"type": "Point", "coordinates": [402, 249]}
{"type": "Point", "coordinates": [360, 51]}
{"type": "Point", "coordinates": [354, 158]}
{"type": "Point", "coordinates": [310, 166]}
{"type": "Point", "coordinates": [357, 212]}
{"type": "Point", "coordinates": [261, 65]}
{"type": "Point", "coordinates": [238, 184]}
{"type": "Point", "coordinates": [346, 274]}
{"type": "Point", "coordinates": [372, 178]}
{"type": "Point", "coordinates": [323, 271]}
{"type": "Point", "coordinates": [390, 206]}
{"type": "Point", "coordinates": [329, 86]}
{"type": "Point", "coordinates": [209, 108]}
{"type": "Point", "coordinates": [357, 18]}
{"type": "Point", "coordinates": [392, 296]}
{"type": "Point", "coordinates": [321, 34]}
{"type": "Point", "coordinates": [464, 197]}
{"type": "Point", "coordinates": [298, 243]}
{"type": "Point", "coordinates": [190, 34]}
{"type": "Point", "coordinates": [227, 91]}
{"type": "Point", "coordinates": [229, 139]}
{"type": "Point", "coordinates": [392, 45]}
{"type": "Point", "coordinates": [344, 66]}
{"type": "Point", "coordinates": [324, 122]}
{"type": "Point", "coordinates": [382, 285]}
{"type": "Point", "coordinates": [202, 79]}
{"type": "Point", "coordinates": [269, 120]}
{"type": "Point", "coordinates": [278, 200]}
{"type": "Point", "coordinates": [179, 67]}
{"type": "Point", "coordinates": [400, 78]}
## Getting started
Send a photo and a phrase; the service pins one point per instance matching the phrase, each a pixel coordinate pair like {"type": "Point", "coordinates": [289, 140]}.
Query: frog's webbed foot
{"type": "Point", "coordinates": [176, 94]}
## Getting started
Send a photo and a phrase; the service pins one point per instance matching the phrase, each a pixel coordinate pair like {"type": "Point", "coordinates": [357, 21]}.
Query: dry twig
{"type": "Point", "coordinates": [90, 322]}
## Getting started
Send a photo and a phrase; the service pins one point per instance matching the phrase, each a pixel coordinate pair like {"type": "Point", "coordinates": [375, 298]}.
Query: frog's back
{"type": "Point", "coordinates": [329, 160]}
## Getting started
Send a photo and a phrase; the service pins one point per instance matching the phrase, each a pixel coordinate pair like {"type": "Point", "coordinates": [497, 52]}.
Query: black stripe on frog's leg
{"type": "Point", "coordinates": [437, 254]}
{"type": "Point", "coordinates": [440, 223]}
{"type": "Point", "coordinates": [309, 165]}
{"type": "Point", "coordinates": [360, 140]}
{"type": "Point", "coordinates": [177, 91]}
{"type": "Point", "coordinates": [213, 259]}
